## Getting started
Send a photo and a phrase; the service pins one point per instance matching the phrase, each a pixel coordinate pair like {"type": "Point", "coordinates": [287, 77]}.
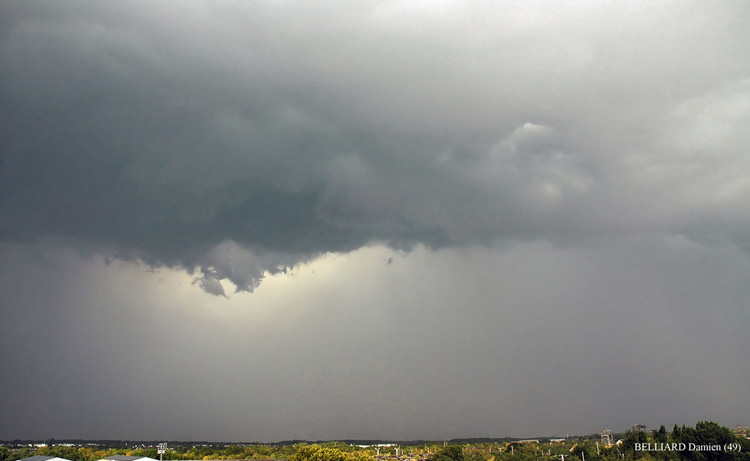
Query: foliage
{"type": "Point", "coordinates": [449, 453]}
{"type": "Point", "coordinates": [661, 435]}
{"type": "Point", "coordinates": [323, 453]}
{"type": "Point", "coordinates": [632, 438]}
{"type": "Point", "coordinates": [476, 455]}
{"type": "Point", "coordinates": [708, 433]}
{"type": "Point", "coordinates": [704, 433]}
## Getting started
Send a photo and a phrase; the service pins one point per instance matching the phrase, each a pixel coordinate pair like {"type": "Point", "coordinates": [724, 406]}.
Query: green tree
{"type": "Point", "coordinates": [708, 433]}
{"type": "Point", "coordinates": [449, 453]}
{"type": "Point", "coordinates": [318, 453]}
{"type": "Point", "coordinates": [633, 437]}
{"type": "Point", "coordinates": [661, 436]}
{"type": "Point", "coordinates": [476, 455]}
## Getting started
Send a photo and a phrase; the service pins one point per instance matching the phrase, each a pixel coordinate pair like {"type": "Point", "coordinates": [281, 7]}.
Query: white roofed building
{"type": "Point", "coordinates": [43, 458]}
{"type": "Point", "coordinates": [126, 458]}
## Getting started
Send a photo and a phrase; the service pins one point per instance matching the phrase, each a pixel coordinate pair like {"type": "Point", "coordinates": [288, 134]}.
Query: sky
{"type": "Point", "coordinates": [397, 220]}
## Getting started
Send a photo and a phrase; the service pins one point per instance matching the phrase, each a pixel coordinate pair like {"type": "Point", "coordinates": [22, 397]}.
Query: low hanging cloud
{"type": "Point", "coordinates": [236, 140]}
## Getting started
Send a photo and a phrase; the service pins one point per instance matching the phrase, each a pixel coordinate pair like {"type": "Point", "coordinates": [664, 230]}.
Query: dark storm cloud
{"type": "Point", "coordinates": [162, 132]}
{"type": "Point", "coordinates": [572, 182]}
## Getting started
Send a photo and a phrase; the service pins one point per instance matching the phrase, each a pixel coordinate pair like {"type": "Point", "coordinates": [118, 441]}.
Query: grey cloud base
{"type": "Point", "coordinates": [123, 133]}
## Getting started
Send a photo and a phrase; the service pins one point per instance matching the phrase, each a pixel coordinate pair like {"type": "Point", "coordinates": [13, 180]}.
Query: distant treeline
{"type": "Point", "coordinates": [704, 441]}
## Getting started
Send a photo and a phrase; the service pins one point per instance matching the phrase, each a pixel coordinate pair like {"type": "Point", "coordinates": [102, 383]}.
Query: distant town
{"type": "Point", "coordinates": [704, 441]}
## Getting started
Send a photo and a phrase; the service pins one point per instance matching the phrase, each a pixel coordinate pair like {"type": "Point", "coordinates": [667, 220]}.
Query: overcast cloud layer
{"type": "Point", "coordinates": [277, 220]}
